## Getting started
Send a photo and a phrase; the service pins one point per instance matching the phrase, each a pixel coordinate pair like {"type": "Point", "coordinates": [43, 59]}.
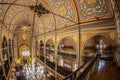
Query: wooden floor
{"type": "Point", "coordinates": [105, 70]}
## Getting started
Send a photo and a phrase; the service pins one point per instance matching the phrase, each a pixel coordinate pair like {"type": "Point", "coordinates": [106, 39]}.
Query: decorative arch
{"type": "Point", "coordinates": [93, 49]}
{"type": "Point", "coordinates": [12, 19]}
{"type": "Point", "coordinates": [69, 39]}
{"type": "Point", "coordinates": [41, 41]}
{"type": "Point", "coordinates": [13, 2]}
{"type": "Point", "coordinates": [50, 41]}
{"type": "Point", "coordinates": [67, 53]}
{"type": "Point", "coordinates": [22, 47]}
{"type": "Point", "coordinates": [99, 34]}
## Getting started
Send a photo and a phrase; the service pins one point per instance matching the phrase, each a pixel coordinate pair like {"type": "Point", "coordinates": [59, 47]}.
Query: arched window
{"type": "Point", "coordinates": [5, 55]}
{"type": "Point", "coordinates": [10, 49]}
{"type": "Point", "coordinates": [101, 46]}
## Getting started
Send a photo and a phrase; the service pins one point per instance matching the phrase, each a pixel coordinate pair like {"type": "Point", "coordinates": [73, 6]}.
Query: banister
{"type": "Point", "coordinates": [73, 74]}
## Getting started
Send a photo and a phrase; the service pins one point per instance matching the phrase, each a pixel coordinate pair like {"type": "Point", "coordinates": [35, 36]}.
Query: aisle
{"type": "Point", "coordinates": [105, 70]}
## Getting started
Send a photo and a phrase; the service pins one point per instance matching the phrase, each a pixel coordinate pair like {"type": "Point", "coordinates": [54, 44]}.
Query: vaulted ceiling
{"type": "Point", "coordinates": [62, 13]}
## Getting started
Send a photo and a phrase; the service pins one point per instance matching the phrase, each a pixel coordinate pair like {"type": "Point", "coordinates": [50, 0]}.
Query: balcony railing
{"type": "Point", "coordinates": [80, 74]}
{"type": "Point", "coordinates": [83, 71]}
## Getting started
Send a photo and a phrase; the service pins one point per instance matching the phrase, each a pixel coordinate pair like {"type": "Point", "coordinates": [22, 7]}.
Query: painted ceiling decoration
{"type": "Point", "coordinates": [57, 13]}
{"type": "Point", "coordinates": [40, 29]}
{"type": "Point", "coordinates": [66, 9]}
{"type": "Point", "coordinates": [94, 9]}
{"type": "Point", "coordinates": [49, 22]}
{"type": "Point", "coordinates": [1, 12]}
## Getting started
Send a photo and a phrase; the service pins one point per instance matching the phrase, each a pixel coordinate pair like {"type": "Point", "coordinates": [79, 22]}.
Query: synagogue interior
{"type": "Point", "coordinates": [59, 40]}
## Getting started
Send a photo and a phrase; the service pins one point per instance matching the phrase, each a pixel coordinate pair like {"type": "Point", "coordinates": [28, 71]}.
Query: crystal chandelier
{"type": "Point", "coordinates": [34, 71]}
{"type": "Point", "coordinates": [25, 53]}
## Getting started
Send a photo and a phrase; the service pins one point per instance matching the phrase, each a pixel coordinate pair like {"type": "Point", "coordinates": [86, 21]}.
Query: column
{"type": "Point", "coordinates": [2, 65]}
{"type": "Point", "coordinates": [116, 8]}
{"type": "Point", "coordinates": [56, 51]}
{"type": "Point", "coordinates": [8, 49]}
{"type": "Point", "coordinates": [16, 55]}
{"type": "Point", "coordinates": [38, 54]}
{"type": "Point", "coordinates": [44, 50]}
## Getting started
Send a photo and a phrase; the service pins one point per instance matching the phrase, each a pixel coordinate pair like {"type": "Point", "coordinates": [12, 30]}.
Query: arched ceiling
{"type": "Point", "coordinates": [63, 13]}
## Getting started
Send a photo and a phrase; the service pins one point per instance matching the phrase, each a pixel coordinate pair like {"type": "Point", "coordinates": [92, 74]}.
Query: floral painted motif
{"type": "Point", "coordinates": [94, 9]}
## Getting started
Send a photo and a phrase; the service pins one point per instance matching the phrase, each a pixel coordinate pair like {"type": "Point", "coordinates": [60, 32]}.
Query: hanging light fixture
{"type": "Point", "coordinates": [25, 53]}
{"type": "Point", "coordinates": [39, 9]}
{"type": "Point", "coordinates": [34, 71]}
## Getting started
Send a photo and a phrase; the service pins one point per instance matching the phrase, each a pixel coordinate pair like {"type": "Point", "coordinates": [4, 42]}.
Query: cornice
{"type": "Point", "coordinates": [105, 24]}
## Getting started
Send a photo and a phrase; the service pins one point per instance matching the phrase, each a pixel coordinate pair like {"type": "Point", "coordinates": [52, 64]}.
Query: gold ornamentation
{"type": "Point", "coordinates": [104, 8]}
{"type": "Point", "coordinates": [24, 36]}
{"type": "Point", "coordinates": [62, 10]}
{"type": "Point", "coordinates": [91, 2]}
{"type": "Point", "coordinates": [48, 20]}
{"type": "Point", "coordinates": [84, 12]}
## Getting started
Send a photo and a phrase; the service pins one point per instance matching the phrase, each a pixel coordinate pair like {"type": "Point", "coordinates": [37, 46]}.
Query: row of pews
{"type": "Point", "coordinates": [50, 64]}
{"type": "Point", "coordinates": [61, 70]}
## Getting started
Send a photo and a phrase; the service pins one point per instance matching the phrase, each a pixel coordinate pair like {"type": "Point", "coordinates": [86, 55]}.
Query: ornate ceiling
{"type": "Point", "coordinates": [63, 13]}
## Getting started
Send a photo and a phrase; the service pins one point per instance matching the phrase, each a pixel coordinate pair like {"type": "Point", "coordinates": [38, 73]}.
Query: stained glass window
{"type": "Point", "coordinates": [101, 46]}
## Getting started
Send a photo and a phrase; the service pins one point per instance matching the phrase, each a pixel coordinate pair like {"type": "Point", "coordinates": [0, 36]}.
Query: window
{"type": "Point", "coordinates": [101, 46]}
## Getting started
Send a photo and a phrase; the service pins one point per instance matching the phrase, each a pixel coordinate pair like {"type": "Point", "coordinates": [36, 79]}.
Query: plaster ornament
{"type": "Point", "coordinates": [24, 36]}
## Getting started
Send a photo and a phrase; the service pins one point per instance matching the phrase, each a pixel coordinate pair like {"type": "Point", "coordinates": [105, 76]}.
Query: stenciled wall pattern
{"type": "Point", "coordinates": [64, 10]}
{"type": "Point", "coordinates": [94, 9]}
{"type": "Point", "coordinates": [64, 13]}
{"type": "Point", "coordinates": [109, 33]}
{"type": "Point", "coordinates": [49, 22]}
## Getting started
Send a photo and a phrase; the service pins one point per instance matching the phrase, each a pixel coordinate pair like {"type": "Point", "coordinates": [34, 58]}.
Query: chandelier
{"type": "Point", "coordinates": [39, 9]}
{"type": "Point", "coordinates": [25, 53]}
{"type": "Point", "coordinates": [34, 71]}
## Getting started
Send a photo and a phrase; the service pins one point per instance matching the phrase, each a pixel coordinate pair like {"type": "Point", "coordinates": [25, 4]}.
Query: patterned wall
{"type": "Point", "coordinates": [93, 9]}
{"type": "Point", "coordinates": [24, 37]}
{"type": "Point", "coordinates": [1, 12]}
{"type": "Point", "coordinates": [74, 37]}
{"type": "Point", "coordinates": [65, 12]}
{"type": "Point", "coordinates": [49, 22]}
{"type": "Point", "coordinates": [89, 10]}
{"type": "Point", "coordinates": [110, 34]}
{"type": "Point", "coordinates": [63, 9]}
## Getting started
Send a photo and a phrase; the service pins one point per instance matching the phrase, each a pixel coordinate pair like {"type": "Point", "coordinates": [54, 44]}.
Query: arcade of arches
{"type": "Point", "coordinates": [59, 40]}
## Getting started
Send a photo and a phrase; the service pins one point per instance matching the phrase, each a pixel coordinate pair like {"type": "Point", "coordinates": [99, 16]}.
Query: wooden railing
{"type": "Point", "coordinates": [61, 70]}
{"type": "Point", "coordinates": [50, 69]}
{"type": "Point", "coordinates": [82, 72]}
